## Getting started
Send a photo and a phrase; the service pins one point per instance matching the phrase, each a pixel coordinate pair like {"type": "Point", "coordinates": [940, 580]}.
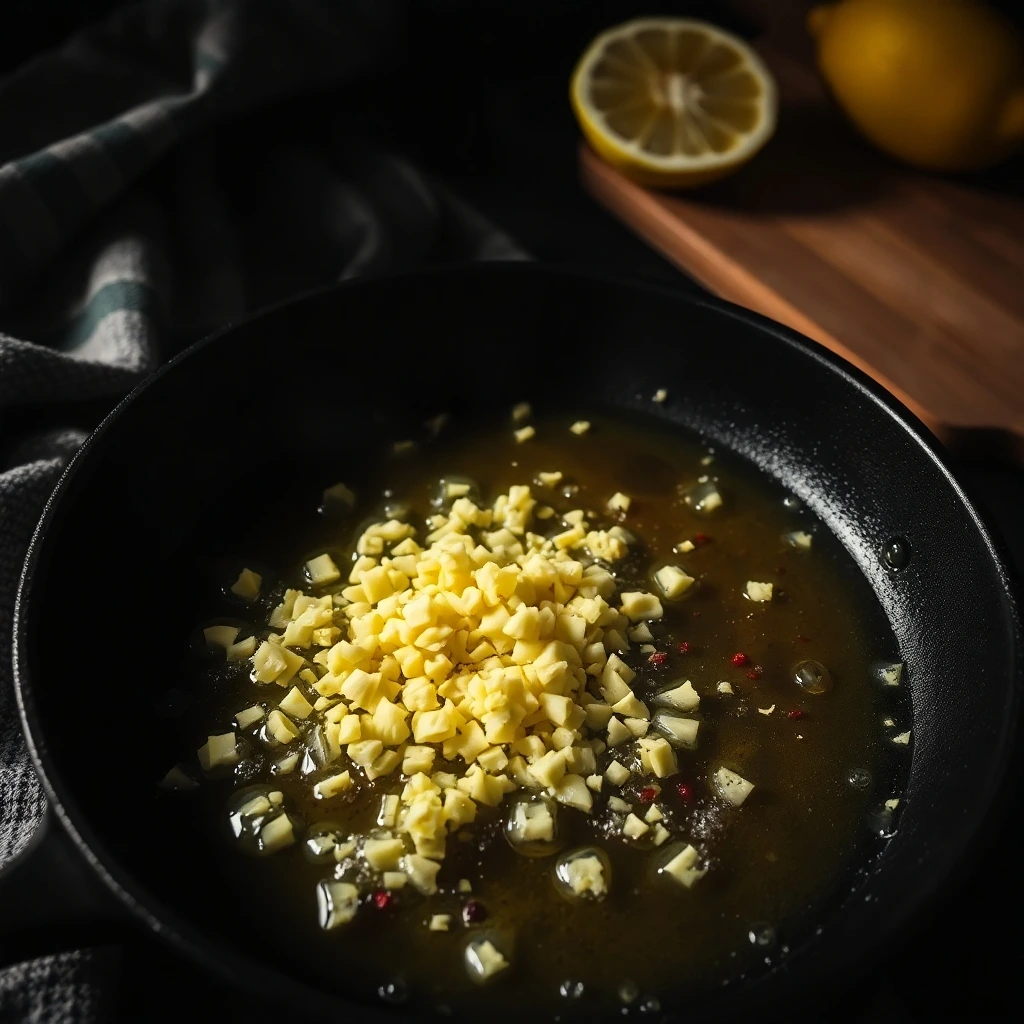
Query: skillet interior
{"type": "Point", "coordinates": [113, 573]}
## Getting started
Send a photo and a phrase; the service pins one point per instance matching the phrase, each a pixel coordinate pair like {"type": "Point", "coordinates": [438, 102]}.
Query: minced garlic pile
{"type": "Point", "coordinates": [493, 648]}
{"type": "Point", "coordinates": [478, 648]}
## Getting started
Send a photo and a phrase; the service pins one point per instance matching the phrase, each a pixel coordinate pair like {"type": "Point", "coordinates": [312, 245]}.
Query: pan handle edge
{"type": "Point", "coordinates": [52, 901]}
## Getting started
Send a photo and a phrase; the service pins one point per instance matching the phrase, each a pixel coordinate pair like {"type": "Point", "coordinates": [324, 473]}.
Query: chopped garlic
{"type": "Point", "coordinates": [572, 791]}
{"type": "Point", "coordinates": [733, 787]}
{"type": "Point", "coordinates": [580, 427]}
{"type": "Point", "coordinates": [242, 649]}
{"type": "Point", "coordinates": [524, 434]}
{"type": "Point", "coordinates": [724, 687]}
{"type": "Point", "coordinates": [473, 644]}
{"type": "Point", "coordinates": [681, 867]}
{"type": "Point", "coordinates": [903, 737]}
{"type": "Point", "coordinates": [388, 814]}
{"type": "Point", "coordinates": [685, 547]}
{"type": "Point", "coordinates": [660, 395]}
{"type": "Point", "coordinates": [638, 605]}
{"type": "Point", "coordinates": [275, 664]}
{"type": "Point", "coordinates": [338, 903]}
{"type": "Point", "coordinates": [276, 834]}
{"type": "Point", "coordinates": [586, 875]}
{"type": "Point", "coordinates": [465, 885]}
{"type": "Point", "coordinates": [176, 779]}
{"type": "Point", "coordinates": [219, 751]}
{"type": "Point", "coordinates": [620, 806]}
{"type": "Point", "coordinates": [617, 774]}
{"type": "Point", "coordinates": [619, 502]}
{"type": "Point", "coordinates": [332, 786]}
{"type": "Point", "coordinates": [249, 716]}
{"type": "Point", "coordinates": [531, 823]}
{"type": "Point", "coordinates": [680, 731]}
{"type": "Point", "coordinates": [798, 539]}
{"type": "Point", "coordinates": [422, 872]}
{"type": "Point", "coordinates": [521, 412]}
{"type": "Point", "coordinates": [891, 674]}
{"type": "Point", "coordinates": [439, 922]}
{"type": "Point", "coordinates": [483, 960]}
{"type": "Point", "coordinates": [220, 636]}
{"type": "Point", "coordinates": [295, 705]}
{"type": "Point", "coordinates": [247, 586]}
{"type": "Point", "coordinates": [660, 834]}
{"type": "Point", "coordinates": [766, 711]}
{"type": "Point", "coordinates": [287, 764]}
{"type": "Point", "coordinates": [641, 633]}
{"type": "Point", "coordinates": [322, 570]}
{"type": "Point", "coordinates": [395, 879]}
{"type": "Point", "coordinates": [658, 757]}
{"type": "Point", "coordinates": [281, 728]}
{"type": "Point", "coordinates": [673, 581]}
{"type": "Point", "coordinates": [891, 805]}
{"type": "Point", "coordinates": [684, 697]}
{"type": "Point", "coordinates": [759, 592]}
{"type": "Point", "coordinates": [653, 814]}
{"type": "Point", "coordinates": [339, 496]}
{"type": "Point", "coordinates": [383, 854]}
{"type": "Point", "coordinates": [634, 828]}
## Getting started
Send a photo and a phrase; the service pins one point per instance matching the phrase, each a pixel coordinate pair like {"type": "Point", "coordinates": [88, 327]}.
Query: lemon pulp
{"type": "Point", "coordinates": [673, 102]}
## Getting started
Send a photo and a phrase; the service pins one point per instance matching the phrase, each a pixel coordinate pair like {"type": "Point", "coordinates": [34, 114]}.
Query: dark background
{"type": "Point", "coordinates": [481, 100]}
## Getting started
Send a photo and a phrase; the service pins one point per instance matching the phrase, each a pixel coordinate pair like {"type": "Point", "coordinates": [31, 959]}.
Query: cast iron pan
{"type": "Point", "coordinates": [110, 572]}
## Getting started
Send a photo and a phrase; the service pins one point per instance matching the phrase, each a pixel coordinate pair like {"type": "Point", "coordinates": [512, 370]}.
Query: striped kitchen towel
{"type": "Point", "coordinates": [156, 181]}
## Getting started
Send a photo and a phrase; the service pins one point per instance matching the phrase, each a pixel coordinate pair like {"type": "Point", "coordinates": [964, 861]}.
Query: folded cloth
{"type": "Point", "coordinates": [158, 178]}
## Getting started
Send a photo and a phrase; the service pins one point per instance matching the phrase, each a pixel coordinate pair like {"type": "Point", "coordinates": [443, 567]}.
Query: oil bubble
{"type": "Point", "coordinates": [812, 677]}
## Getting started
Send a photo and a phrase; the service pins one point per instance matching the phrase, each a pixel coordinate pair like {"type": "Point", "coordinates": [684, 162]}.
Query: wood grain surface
{"type": "Point", "coordinates": [915, 278]}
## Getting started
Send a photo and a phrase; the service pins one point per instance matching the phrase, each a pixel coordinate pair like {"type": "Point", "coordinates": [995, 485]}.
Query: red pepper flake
{"type": "Point", "coordinates": [739, 658]}
{"type": "Point", "coordinates": [658, 658]}
{"type": "Point", "coordinates": [684, 648]}
{"type": "Point", "coordinates": [755, 672]}
{"type": "Point", "coordinates": [648, 795]}
{"type": "Point", "coordinates": [685, 790]}
{"type": "Point", "coordinates": [382, 899]}
{"type": "Point", "coordinates": [701, 538]}
{"type": "Point", "coordinates": [795, 714]}
{"type": "Point", "coordinates": [474, 912]}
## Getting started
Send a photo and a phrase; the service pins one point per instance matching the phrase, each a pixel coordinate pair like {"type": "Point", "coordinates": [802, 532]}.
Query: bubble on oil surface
{"type": "Point", "coordinates": [532, 825]}
{"type": "Point", "coordinates": [896, 553]}
{"type": "Point", "coordinates": [859, 778]}
{"type": "Point", "coordinates": [629, 992]}
{"type": "Point", "coordinates": [812, 677]}
{"type": "Point", "coordinates": [761, 935]}
{"type": "Point", "coordinates": [792, 502]}
{"type": "Point", "coordinates": [571, 989]}
{"type": "Point", "coordinates": [395, 992]}
{"type": "Point", "coordinates": [578, 878]}
{"type": "Point", "coordinates": [260, 822]}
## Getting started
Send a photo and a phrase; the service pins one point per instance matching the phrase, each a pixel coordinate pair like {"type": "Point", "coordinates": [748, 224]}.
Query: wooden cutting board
{"type": "Point", "coordinates": [916, 279]}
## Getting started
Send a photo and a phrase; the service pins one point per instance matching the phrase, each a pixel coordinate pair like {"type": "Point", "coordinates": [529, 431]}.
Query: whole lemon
{"type": "Point", "coordinates": [937, 83]}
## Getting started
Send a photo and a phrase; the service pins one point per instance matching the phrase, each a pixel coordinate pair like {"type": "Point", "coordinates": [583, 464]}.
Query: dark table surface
{"type": "Point", "coordinates": [500, 133]}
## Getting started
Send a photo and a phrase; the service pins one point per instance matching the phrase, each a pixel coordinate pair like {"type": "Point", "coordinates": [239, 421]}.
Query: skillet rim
{"type": "Point", "coordinates": [181, 933]}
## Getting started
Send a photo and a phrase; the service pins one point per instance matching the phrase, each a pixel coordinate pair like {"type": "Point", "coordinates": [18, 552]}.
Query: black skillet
{"type": "Point", "coordinates": [110, 571]}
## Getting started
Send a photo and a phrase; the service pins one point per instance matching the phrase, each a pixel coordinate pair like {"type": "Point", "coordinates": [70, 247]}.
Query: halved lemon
{"type": "Point", "coordinates": [673, 102]}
